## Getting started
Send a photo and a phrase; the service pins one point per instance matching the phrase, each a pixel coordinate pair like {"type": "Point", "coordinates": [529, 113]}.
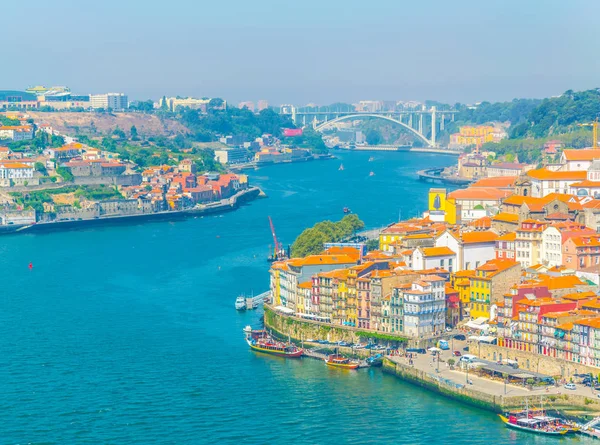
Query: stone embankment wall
{"type": "Point", "coordinates": [533, 362]}
{"type": "Point", "coordinates": [300, 330]}
{"type": "Point", "coordinates": [567, 404]}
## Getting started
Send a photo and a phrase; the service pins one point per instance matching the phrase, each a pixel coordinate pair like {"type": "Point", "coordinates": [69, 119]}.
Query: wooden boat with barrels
{"type": "Point", "coordinates": [339, 361]}
{"type": "Point", "coordinates": [260, 341]}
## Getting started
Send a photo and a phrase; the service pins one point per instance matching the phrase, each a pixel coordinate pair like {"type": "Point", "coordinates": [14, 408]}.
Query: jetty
{"type": "Point", "coordinates": [256, 301]}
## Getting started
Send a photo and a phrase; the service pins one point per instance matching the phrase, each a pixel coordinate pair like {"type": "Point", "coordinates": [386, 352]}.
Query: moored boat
{"type": "Point", "coordinates": [260, 341]}
{"type": "Point", "coordinates": [538, 425]}
{"type": "Point", "coordinates": [375, 360]}
{"type": "Point", "coordinates": [341, 167]}
{"type": "Point", "coordinates": [240, 303]}
{"type": "Point", "coordinates": [537, 421]}
{"type": "Point", "coordinates": [339, 361]}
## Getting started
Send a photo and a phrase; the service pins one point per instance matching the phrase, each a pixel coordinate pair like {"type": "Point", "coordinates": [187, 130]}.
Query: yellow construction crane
{"type": "Point", "coordinates": [594, 126]}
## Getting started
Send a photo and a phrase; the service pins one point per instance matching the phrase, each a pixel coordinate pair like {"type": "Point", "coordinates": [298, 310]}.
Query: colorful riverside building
{"type": "Point", "coordinates": [489, 283]}
{"type": "Point", "coordinates": [286, 275]}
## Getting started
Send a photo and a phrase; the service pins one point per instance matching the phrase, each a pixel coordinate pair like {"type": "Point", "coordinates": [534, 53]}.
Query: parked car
{"type": "Point", "coordinates": [459, 337]}
{"type": "Point", "coordinates": [570, 386]}
{"type": "Point", "coordinates": [322, 342]}
{"type": "Point", "coordinates": [456, 353]}
{"type": "Point", "coordinates": [343, 343]}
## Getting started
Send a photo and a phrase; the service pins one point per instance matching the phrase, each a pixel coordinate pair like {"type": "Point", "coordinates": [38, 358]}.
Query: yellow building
{"type": "Point", "coordinates": [442, 207]}
{"type": "Point", "coordinates": [461, 282]}
{"type": "Point", "coordinates": [470, 135]}
{"type": "Point", "coordinates": [489, 284]}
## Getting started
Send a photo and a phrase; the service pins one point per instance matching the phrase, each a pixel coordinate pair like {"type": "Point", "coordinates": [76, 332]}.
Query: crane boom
{"type": "Point", "coordinates": [277, 248]}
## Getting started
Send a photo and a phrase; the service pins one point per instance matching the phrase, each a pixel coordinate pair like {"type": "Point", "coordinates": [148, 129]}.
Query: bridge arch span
{"type": "Point", "coordinates": [324, 125]}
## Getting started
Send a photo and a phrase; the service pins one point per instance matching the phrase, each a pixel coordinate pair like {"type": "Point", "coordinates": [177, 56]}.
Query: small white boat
{"type": "Point", "coordinates": [240, 303]}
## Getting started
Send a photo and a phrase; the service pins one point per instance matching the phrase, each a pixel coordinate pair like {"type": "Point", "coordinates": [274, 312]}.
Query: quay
{"type": "Point", "coordinates": [222, 206]}
{"type": "Point", "coordinates": [434, 175]}
{"type": "Point", "coordinates": [428, 373]}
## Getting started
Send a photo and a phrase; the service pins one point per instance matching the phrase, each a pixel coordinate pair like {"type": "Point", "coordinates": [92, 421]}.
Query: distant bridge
{"type": "Point", "coordinates": [420, 123]}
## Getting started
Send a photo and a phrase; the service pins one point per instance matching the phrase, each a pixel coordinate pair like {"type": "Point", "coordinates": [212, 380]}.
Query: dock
{"type": "Point", "coordinates": [256, 301]}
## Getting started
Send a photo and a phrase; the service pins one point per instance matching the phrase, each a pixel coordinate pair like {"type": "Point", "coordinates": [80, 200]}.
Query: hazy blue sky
{"type": "Point", "coordinates": [307, 51]}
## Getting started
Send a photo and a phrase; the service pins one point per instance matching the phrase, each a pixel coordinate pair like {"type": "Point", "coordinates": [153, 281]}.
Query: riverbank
{"type": "Point", "coordinates": [222, 206]}
{"type": "Point", "coordinates": [424, 372]}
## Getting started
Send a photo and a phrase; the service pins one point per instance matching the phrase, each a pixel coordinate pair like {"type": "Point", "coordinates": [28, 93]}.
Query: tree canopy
{"type": "Point", "coordinates": [310, 241]}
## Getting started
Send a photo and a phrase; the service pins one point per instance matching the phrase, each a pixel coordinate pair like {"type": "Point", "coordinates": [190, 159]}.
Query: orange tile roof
{"type": "Point", "coordinates": [485, 222]}
{"type": "Point", "coordinates": [565, 326]}
{"type": "Point", "coordinates": [305, 285]}
{"type": "Point", "coordinates": [586, 241]}
{"type": "Point", "coordinates": [14, 165]}
{"type": "Point", "coordinates": [510, 236]}
{"type": "Point", "coordinates": [479, 237]}
{"type": "Point", "coordinates": [563, 282]}
{"type": "Point", "coordinates": [580, 295]}
{"type": "Point", "coordinates": [593, 304]}
{"type": "Point", "coordinates": [586, 183]}
{"type": "Point", "coordinates": [585, 154]}
{"type": "Point", "coordinates": [506, 217]}
{"type": "Point", "coordinates": [591, 322]}
{"type": "Point", "coordinates": [437, 251]}
{"type": "Point", "coordinates": [464, 273]}
{"type": "Point", "coordinates": [498, 181]}
{"type": "Point", "coordinates": [548, 175]}
{"type": "Point", "coordinates": [315, 260]}
{"type": "Point", "coordinates": [479, 193]}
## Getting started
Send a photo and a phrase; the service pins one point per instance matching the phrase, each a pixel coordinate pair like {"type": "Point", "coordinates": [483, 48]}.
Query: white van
{"type": "Point", "coordinates": [468, 358]}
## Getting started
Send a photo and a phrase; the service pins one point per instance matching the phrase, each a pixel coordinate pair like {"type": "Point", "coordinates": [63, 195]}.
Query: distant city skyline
{"type": "Point", "coordinates": [321, 52]}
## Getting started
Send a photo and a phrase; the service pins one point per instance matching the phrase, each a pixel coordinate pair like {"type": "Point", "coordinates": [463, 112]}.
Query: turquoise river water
{"type": "Point", "coordinates": [127, 334]}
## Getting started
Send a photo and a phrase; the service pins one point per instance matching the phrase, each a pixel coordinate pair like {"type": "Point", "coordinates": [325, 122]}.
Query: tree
{"type": "Point", "coordinates": [309, 242]}
{"type": "Point", "coordinates": [65, 174]}
{"type": "Point", "coordinates": [164, 105]}
{"type": "Point", "coordinates": [216, 102]}
{"type": "Point", "coordinates": [119, 133]}
{"type": "Point", "coordinates": [373, 137]}
{"type": "Point", "coordinates": [39, 167]}
{"type": "Point", "coordinates": [134, 133]}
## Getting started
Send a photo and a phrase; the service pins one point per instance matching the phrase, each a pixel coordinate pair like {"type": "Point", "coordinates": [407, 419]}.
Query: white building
{"type": "Point", "coordinates": [424, 307]}
{"type": "Point", "coordinates": [15, 172]}
{"type": "Point", "coordinates": [472, 248]}
{"type": "Point", "coordinates": [578, 160]}
{"type": "Point", "coordinates": [551, 248]}
{"type": "Point", "coordinates": [112, 101]}
{"type": "Point", "coordinates": [232, 155]}
{"type": "Point", "coordinates": [545, 181]}
{"type": "Point", "coordinates": [425, 258]}
{"type": "Point", "coordinates": [16, 132]}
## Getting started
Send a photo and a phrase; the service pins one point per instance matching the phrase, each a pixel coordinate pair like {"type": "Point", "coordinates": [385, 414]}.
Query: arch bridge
{"type": "Point", "coordinates": [420, 123]}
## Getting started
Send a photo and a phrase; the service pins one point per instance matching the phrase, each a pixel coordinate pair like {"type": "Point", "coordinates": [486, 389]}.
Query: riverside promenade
{"type": "Point", "coordinates": [493, 395]}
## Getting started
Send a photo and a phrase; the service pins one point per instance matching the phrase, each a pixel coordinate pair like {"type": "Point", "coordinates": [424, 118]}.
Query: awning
{"type": "Point", "coordinates": [284, 309]}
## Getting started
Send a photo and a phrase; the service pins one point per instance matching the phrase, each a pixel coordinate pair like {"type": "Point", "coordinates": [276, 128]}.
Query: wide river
{"type": "Point", "coordinates": [127, 333]}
